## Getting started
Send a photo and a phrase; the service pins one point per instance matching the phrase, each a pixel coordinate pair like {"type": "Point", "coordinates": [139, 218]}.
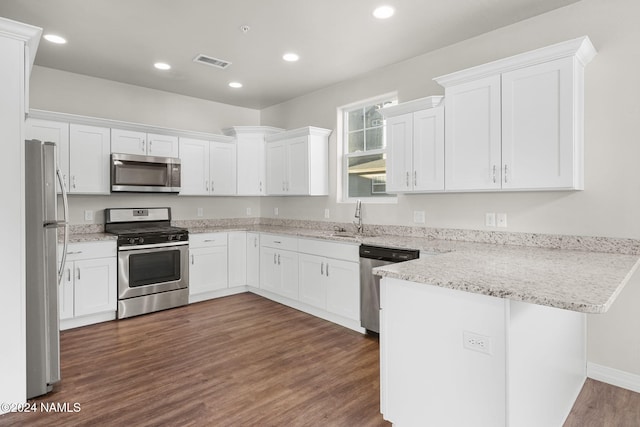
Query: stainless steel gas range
{"type": "Point", "coordinates": [153, 270]}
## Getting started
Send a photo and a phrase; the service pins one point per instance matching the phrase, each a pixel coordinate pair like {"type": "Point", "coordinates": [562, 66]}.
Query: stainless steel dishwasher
{"type": "Point", "coordinates": [371, 257]}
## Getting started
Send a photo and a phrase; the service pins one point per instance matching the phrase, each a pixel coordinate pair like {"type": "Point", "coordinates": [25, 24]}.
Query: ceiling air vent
{"type": "Point", "coordinates": [214, 62]}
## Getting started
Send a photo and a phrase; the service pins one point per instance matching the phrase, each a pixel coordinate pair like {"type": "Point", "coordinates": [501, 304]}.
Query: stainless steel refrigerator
{"type": "Point", "coordinates": [43, 273]}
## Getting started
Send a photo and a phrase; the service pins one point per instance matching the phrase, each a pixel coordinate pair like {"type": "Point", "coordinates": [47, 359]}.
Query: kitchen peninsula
{"type": "Point", "coordinates": [491, 335]}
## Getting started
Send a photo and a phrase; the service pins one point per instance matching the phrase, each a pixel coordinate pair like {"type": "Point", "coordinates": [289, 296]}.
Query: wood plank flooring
{"type": "Point", "coordinates": [241, 361]}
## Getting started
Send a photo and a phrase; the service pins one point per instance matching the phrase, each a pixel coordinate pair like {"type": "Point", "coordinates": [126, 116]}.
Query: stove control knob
{"type": "Point", "coordinates": [141, 240]}
{"type": "Point", "coordinates": [170, 237]}
{"type": "Point", "coordinates": [132, 241]}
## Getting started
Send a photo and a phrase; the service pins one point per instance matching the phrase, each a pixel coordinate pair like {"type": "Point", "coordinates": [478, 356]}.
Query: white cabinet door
{"type": "Point", "coordinates": [251, 165]}
{"type": "Point", "coordinates": [269, 271]}
{"type": "Point", "coordinates": [276, 168]}
{"type": "Point", "coordinates": [253, 260]}
{"type": "Point", "coordinates": [58, 132]}
{"type": "Point", "coordinates": [399, 134]}
{"type": "Point", "coordinates": [288, 264]}
{"type": "Point", "coordinates": [297, 166]}
{"type": "Point", "coordinates": [128, 142]}
{"type": "Point", "coordinates": [207, 269]}
{"type": "Point", "coordinates": [95, 286]}
{"type": "Point", "coordinates": [343, 288]}
{"type": "Point", "coordinates": [65, 293]}
{"type": "Point", "coordinates": [194, 155]}
{"type": "Point", "coordinates": [312, 280]}
{"type": "Point", "coordinates": [89, 151]}
{"type": "Point", "coordinates": [237, 256]}
{"type": "Point", "coordinates": [222, 167]}
{"type": "Point", "coordinates": [162, 145]}
{"type": "Point", "coordinates": [472, 135]}
{"type": "Point", "coordinates": [538, 136]}
{"type": "Point", "coordinates": [428, 150]}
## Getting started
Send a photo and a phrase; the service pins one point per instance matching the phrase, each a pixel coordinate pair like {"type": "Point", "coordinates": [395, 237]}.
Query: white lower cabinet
{"type": "Point", "coordinates": [208, 269]}
{"type": "Point", "coordinates": [88, 291]}
{"type": "Point", "coordinates": [329, 276]}
{"type": "Point", "coordinates": [237, 262]}
{"type": "Point", "coordinates": [279, 270]}
{"type": "Point", "coordinates": [253, 260]}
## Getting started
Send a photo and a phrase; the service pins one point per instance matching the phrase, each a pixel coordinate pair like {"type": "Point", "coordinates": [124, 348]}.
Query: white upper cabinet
{"type": "Point", "coordinates": [517, 123]}
{"type": "Point", "coordinates": [251, 158]}
{"type": "Point", "coordinates": [208, 167]}
{"type": "Point", "coordinates": [51, 131]}
{"type": "Point", "coordinates": [415, 146]}
{"type": "Point", "coordinates": [89, 152]}
{"type": "Point", "coordinates": [297, 162]}
{"type": "Point", "coordinates": [150, 144]}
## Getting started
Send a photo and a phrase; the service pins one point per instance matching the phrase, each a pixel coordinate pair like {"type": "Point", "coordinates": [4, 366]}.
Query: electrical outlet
{"type": "Point", "coordinates": [248, 211]}
{"type": "Point", "coordinates": [476, 342]}
{"type": "Point", "coordinates": [326, 214]}
{"type": "Point", "coordinates": [501, 219]}
{"type": "Point", "coordinates": [275, 211]}
{"type": "Point", "coordinates": [490, 219]}
{"type": "Point", "coordinates": [200, 212]}
{"type": "Point", "coordinates": [418, 217]}
{"type": "Point", "coordinates": [88, 215]}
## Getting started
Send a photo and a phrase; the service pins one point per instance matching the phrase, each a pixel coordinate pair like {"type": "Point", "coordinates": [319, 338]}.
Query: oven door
{"type": "Point", "coordinates": [151, 269]}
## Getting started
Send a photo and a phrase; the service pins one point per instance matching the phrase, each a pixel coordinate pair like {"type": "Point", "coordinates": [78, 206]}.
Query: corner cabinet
{"type": "Point", "coordinates": [250, 145]}
{"type": "Point", "coordinates": [415, 146]}
{"type": "Point", "coordinates": [297, 162]}
{"type": "Point", "coordinates": [208, 166]}
{"type": "Point", "coordinates": [517, 123]}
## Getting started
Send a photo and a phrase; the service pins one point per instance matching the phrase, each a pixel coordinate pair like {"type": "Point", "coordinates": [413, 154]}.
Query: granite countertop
{"type": "Point", "coordinates": [579, 280]}
{"type": "Point", "coordinates": [587, 282]}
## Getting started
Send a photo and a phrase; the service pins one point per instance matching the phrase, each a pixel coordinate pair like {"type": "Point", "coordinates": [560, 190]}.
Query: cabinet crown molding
{"type": "Point", "coordinates": [412, 106]}
{"type": "Point", "coordinates": [238, 130]}
{"type": "Point", "coordinates": [581, 48]}
{"type": "Point", "coordinates": [293, 133]}
{"type": "Point", "coordinates": [24, 32]}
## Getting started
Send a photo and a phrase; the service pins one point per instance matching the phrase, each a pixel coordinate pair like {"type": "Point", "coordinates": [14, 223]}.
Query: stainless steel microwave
{"type": "Point", "coordinates": [144, 174]}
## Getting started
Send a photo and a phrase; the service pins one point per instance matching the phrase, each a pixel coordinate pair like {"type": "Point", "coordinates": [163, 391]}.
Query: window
{"type": "Point", "coordinates": [364, 150]}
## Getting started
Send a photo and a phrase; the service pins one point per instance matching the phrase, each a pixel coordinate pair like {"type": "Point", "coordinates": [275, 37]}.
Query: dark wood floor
{"type": "Point", "coordinates": [241, 361]}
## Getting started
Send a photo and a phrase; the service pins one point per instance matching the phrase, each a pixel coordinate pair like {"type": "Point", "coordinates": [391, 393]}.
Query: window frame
{"type": "Point", "coordinates": [343, 156]}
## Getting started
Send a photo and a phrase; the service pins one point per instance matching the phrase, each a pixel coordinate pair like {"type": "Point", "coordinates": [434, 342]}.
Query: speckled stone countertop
{"type": "Point", "coordinates": [577, 273]}
{"type": "Point", "coordinates": [587, 282]}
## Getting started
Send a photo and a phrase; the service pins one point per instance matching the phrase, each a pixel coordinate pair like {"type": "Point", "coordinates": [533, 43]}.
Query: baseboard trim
{"type": "Point", "coordinates": [614, 377]}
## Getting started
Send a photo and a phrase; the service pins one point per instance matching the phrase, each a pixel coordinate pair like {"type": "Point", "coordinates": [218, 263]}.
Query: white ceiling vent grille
{"type": "Point", "coordinates": [213, 62]}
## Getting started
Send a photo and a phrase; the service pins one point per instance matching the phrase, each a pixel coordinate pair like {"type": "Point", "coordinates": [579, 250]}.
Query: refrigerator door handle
{"type": "Point", "coordinates": [65, 210]}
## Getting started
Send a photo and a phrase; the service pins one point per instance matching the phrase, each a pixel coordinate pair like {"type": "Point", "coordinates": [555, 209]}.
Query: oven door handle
{"type": "Point", "coordinates": [152, 246]}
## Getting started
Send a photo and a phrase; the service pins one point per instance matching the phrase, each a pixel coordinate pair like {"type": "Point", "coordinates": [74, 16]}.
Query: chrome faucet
{"type": "Point", "coordinates": [359, 227]}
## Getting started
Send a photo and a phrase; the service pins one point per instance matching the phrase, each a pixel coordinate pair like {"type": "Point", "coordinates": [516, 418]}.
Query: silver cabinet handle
{"type": "Point", "coordinates": [212, 188]}
{"type": "Point", "coordinates": [78, 273]}
{"type": "Point", "coordinates": [74, 252]}
{"type": "Point", "coordinates": [68, 275]}
{"type": "Point", "coordinates": [505, 173]}
{"type": "Point", "coordinates": [206, 185]}
{"type": "Point", "coordinates": [327, 269]}
{"type": "Point", "coordinates": [415, 178]}
{"type": "Point", "coordinates": [277, 241]}
{"type": "Point", "coordinates": [64, 179]}
{"type": "Point", "coordinates": [407, 178]}
{"type": "Point", "coordinates": [494, 174]}
{"type": "Point", "coordinates": [260, 187]}
{"type": "Point", "coordinates": [73, 181]}
{"type": "Point", "coordinates": [283, 189]}
{"type": "Point", "coordinates": [142, 146]}
{"type": "Point", "coordinates": [255, 242]}
{"type": "Point", "coordinates": [274, 258]}
{"type": "Point", "coordinates": [278, 259]}
{"type": "Point", "coordinates": [322, 268]}
{"type": "Point", "coordinates": [192, 259]}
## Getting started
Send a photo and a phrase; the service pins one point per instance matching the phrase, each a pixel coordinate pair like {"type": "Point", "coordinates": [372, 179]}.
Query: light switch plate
{"type": "Point", "coordinates": [200, 212]}
{"type": "Point", "coordinates": [275, 211]}
{"type": "Point", "coordinates": [88, 215]}
{"type": "Point", "coordinates": [490, 219]}
{"type": "Point", "coordinates": [326, 214]}
{"type": "Point", "coordinates": [248, 211]}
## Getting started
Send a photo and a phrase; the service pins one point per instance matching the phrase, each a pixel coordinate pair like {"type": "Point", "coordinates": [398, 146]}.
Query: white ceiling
{"type": "Point", "coordinates": [336, 39]}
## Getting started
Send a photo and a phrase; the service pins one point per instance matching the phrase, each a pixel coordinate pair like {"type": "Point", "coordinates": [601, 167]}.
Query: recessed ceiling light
{"type": "Point", "coordinates": [384, 12]}
{"type": "Point", "coordinates": [162, 66]}
{"type": "Point", "coordinates": [55, 39]}
{"type": "Point", "coordinates": [290, 57]}
{"type": "Point", "coordinates": [235, 85]}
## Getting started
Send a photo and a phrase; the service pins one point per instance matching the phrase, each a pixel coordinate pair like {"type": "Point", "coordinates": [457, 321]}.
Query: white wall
{"type": "Point", "coordinates": [65, 92]}
{"type": "Point", "coordinates": [609, 205]}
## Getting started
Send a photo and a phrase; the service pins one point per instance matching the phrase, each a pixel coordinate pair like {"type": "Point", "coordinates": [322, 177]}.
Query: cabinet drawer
{"type": "Point", "coordinates": [89, 250]}
{"type": "Point", "coordinates": [279, 242]}
{"type": "Point", "coordinates": [344, 251]}
{"type": "Point", "coordinates": [207, 240]}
